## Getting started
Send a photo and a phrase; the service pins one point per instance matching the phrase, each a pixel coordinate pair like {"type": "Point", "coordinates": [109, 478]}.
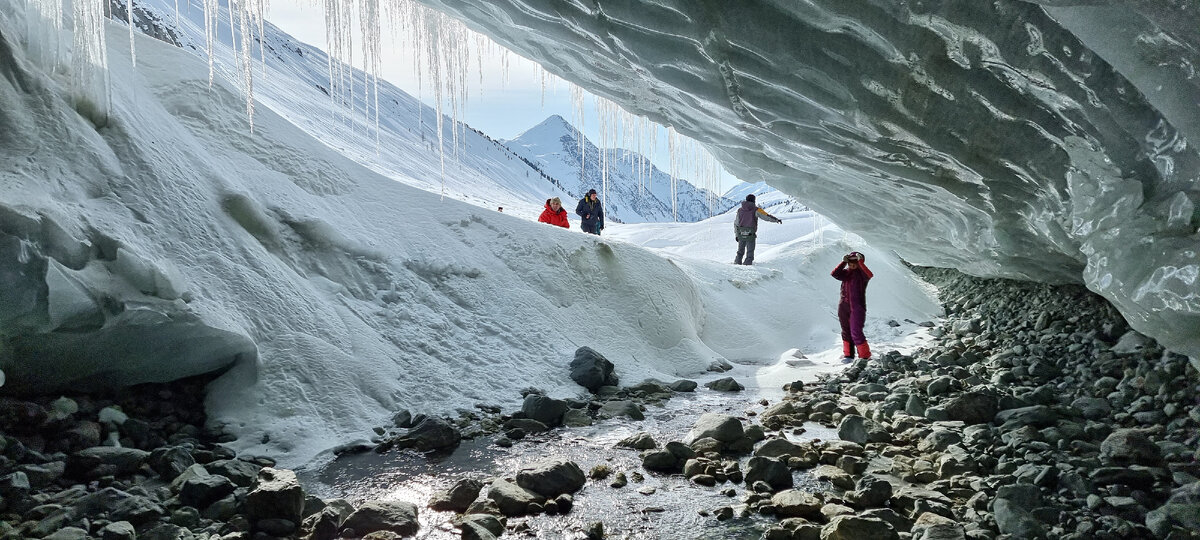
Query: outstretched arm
{"type": "Point", "coordinates": [764, 215]}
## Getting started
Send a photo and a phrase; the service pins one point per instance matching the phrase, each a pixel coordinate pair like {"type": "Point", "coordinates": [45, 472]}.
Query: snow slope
{"type": "Point", "coordinates": [172, 241]}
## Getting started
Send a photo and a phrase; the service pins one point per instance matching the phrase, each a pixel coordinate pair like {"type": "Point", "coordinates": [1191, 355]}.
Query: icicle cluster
{"type": "Point", "coordinates": [443, 51]}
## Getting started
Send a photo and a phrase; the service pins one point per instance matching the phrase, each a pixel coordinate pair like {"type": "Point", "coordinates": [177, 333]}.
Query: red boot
{"type": "Point", "coordinates": [864, 350]}
{"type": "Point", "coordinates": [847, 349]}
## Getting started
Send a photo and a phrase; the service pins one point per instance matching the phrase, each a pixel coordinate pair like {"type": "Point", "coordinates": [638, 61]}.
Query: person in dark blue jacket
{"type": "Point", "coordinates": [591, 213]}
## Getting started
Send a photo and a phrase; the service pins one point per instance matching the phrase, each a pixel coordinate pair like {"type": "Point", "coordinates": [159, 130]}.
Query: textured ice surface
{"type": "Point", "coordinates": [1027, 142]}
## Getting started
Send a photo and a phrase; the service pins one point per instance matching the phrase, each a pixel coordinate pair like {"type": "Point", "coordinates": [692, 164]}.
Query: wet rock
{"type": "Point", "coordinates": [458, 497]}
{"type": "Point", "coordinates": [1129, 446]}
{"type": "Point", "coordinates": [795, 503]}
{"type": "Point", "coordinates": [619, 408]}
{"type": "Point", "coordinates": [638, 441]}
{"type": "Point", "coordinates": [323, 525]}
{"type": "Point", "coordinates": [511, 499]}
{"type": "Point", "coordinates": [430, 434]}
{"type": "Point", "coordinates": [552, 477]}
{"type": "Point", "coordinates": [779, 447]}
{"type": "Point", "coordinates": [727, 384]}
{"type": "Point", "coordinates": [276, 495]}
{"type": "Point", "coordinates": [853, 428]}
{"type": "Point", "coordinates": [870, 491]}
{"type": "Point", "coordinates": [857, 528]}
{"type": "Point", "coordinates": [683, 385]}
{"type": "Point", "coordinates": [481, 527]}
{"type": "Point", "coordinates": [834, 475]}
{"type": "Point", "coordinates": [938, 440]}
{"type": "Point", "coordinates": [591, 370]}
{"type": "Point", "coordinates": [772, 471]}
{"type": "Point", "coordinates": [544, 409]}
{"type": "Point", "coordinates": [393, 516]}
{"type": "Point", "coordinates": [576, 418]}
{"type": "Point", "coordinates": [717, 426]}
{"type": "Point", "coordinates": [403, 419]}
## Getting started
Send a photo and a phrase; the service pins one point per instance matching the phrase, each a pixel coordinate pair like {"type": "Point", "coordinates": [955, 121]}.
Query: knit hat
{"type": "Point", "coordinates": [555, 200]}
{"type": "Point", "coordinates": [750, 197]}
{"type": "Point", "coordinates": [591, 192]}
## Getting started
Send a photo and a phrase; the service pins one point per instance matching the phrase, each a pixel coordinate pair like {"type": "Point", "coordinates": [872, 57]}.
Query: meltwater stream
{"type": "Point", "coordinates": [660, 506]}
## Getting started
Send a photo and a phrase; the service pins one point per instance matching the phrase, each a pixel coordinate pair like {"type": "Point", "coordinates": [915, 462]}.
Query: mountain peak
{"type": "Point", "coordinates": [554, 127]}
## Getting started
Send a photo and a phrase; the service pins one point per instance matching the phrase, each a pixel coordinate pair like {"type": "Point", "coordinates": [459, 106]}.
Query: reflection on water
{"type": "Point", "coordinates": [673, 510]}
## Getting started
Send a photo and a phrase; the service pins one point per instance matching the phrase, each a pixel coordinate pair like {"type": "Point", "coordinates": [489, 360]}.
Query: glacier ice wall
{"type": "Point", "coordinates": [1044, 141]}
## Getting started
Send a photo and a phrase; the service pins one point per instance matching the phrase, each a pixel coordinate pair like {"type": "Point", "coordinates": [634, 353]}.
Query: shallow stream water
{"type": "Point", "coordinates": [661, 506]}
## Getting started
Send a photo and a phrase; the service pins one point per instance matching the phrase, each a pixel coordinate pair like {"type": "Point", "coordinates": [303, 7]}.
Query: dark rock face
{"type": "Point", "coordinates": [430, 434]}
{"type": "Point", "coordinates": [769, 470]}
{"type": "Point", "coordinates": [592, 370]}
{"type": "Point", "coordinates": [727, 384]}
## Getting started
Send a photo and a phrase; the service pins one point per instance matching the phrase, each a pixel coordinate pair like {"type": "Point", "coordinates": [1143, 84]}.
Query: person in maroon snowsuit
{"type": "Point", "coordinates": [852, 308]}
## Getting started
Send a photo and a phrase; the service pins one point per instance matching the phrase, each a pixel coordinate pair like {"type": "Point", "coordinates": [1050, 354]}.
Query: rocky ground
{"type": "Point", "coordinates": [1035, 413]}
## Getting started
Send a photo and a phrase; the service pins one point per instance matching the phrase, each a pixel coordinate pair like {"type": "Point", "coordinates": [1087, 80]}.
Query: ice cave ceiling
{"type": "Point", "coordinates": [1042, 140]}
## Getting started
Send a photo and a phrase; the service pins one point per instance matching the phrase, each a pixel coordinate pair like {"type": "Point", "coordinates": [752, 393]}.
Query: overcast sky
{"type": "Point", "coordinates": [500, 106]}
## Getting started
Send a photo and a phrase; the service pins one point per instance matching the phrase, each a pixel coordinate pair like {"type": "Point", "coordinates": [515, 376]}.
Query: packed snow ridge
{"type": "Point", "coordinates": [1041, 140]}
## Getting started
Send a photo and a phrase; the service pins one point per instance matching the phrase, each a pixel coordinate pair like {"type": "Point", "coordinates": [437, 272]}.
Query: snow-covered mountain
{"type": "Point", "coordinates": [771, 199]}
{"type": "Point", "coordinates": [638, 192]}
{"type": "Point", "coordinates": [477, 168]}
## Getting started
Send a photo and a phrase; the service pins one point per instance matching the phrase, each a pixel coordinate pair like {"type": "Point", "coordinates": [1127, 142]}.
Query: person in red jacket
{"type": "Point", "coordinates": [555, 214]}
{"type": "Point", "coordinates": [852, 308]}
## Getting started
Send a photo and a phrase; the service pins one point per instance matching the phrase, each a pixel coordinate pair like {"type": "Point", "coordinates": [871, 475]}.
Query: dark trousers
{"type": "Point", "coordinates": [746, 247]}
{"type": "Point", "coordinates": [590, 228]}
{"type": "Point", "coordinates": [852, 324]}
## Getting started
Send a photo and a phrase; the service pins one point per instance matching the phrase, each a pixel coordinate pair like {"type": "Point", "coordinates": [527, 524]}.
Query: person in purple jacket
{"type": "Point", "coordinates": [852, 307]}
{"type": "Point", "coordinates": [745, 229]}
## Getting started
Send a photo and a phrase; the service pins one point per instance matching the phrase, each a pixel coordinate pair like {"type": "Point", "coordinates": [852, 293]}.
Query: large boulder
{"type": "Point", "coordinates": [769, 470]}
{"type": "Point", "coordinates": [458, 498]}
{"type": "Point", "coordinates": [718, 426]}
{"type": "Point", "coordinates": [779, 447]}
{"type": "Point", "coordinates": [849, 527]}
{"type": "Point", "coordinates": [728, 384]}
{"type": "Point", "coordinates": [591, 370]}
{"type": "Point", "coordinates": [795, 503]}
{"type": "Point", "coordinates": [619, 408]}
{"type": "Point", "coordinates": [431, 434]}
{"type": "Point", "coordinates": [552, 478]}
{"type": "Point", "coordinates": [544, 409]}
{"type": "Point", "coordinates": [276, 495]}
{"type": "Point", "coordinates": [393, 516]}
{"type": "Point", "coordinates": [512, 499]}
